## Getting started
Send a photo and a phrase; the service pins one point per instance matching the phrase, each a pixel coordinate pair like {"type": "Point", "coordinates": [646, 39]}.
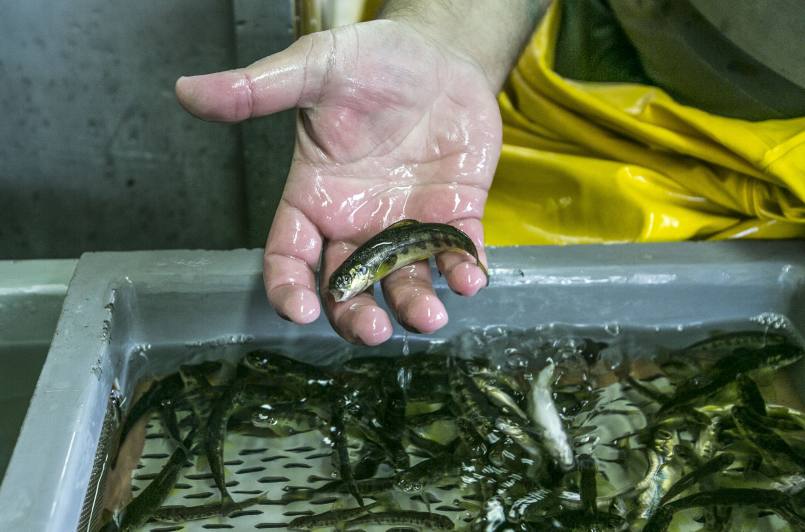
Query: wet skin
{"type": "Point", "coordinates": [391, 126]}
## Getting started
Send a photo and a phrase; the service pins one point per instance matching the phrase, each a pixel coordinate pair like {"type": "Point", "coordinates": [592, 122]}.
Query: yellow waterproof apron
{"type": "Point", "coordinates": [590, 162]}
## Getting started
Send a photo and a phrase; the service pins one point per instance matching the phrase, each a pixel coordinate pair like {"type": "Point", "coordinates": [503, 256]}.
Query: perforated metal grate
{"type": "Point", "coordinates": [258, 464]}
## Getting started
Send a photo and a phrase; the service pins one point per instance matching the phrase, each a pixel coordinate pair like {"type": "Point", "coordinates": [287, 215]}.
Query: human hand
{"type": "Point", "coordinates": [392, 124]}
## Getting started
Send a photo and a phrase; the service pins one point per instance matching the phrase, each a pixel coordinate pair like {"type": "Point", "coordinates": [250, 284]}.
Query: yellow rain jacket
{"type": "Point", "coordinates": [587, 162]}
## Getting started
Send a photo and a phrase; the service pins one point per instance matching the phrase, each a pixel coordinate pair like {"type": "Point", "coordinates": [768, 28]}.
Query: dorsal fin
{"type": "Point", "coordinates": [403, 223]}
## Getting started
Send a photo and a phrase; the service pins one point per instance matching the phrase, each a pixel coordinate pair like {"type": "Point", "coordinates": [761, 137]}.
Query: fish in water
{"type": "Point", "coordinates": [237, 395]}
{"type": "Point", "coordinates": [404, 517]}
{"type": "Point", "coordinates": [397, 246]}
{"type": "Point", "coordinates": [180, 514]}
{"type": "Point", "coordinates": [140, 510]}
{"type": "Point", "coordinates": [332, 518]}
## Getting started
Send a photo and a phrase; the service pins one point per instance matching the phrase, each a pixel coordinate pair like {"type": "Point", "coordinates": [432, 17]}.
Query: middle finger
{"type": "Point", "coordinates": [410, 295]}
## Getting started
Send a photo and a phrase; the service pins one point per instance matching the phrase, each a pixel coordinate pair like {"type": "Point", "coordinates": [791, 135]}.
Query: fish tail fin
{"type": "Point", "coordinates": [226, 499]}
{"type": "Point", "coordinates": [483, 269]}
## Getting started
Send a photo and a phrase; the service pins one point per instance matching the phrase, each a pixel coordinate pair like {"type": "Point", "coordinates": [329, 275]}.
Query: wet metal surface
{"type": "Point", "coordinates": [95, 153]}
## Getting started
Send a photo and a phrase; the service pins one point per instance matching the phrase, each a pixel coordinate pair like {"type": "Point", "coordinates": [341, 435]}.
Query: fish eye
{"type": "Point", "coordinates": [362, 270]}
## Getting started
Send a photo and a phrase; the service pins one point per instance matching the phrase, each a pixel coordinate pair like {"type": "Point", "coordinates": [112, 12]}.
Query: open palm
{"type": "Point", "coordinates": [391, 126]}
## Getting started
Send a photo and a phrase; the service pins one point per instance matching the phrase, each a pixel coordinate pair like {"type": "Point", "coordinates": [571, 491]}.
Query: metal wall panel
{"type": "Point", "coordinates": [95, 153]}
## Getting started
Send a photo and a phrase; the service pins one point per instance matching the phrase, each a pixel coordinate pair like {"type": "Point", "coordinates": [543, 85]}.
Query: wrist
{"type": "Point", "coordinates": [477, 31]}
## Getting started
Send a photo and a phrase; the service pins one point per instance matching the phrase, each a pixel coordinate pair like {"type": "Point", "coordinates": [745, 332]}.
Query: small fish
{"type": "Point", "coordinates": [660, 521]}
{"type": "Point", "coordinates": [368, 487]}
{"type": "Point", "coordinates": [521, 437]}
{"type": "Point", "coordinates": [645, 390]}
{"type": "Point", "coordinates": [199, 374]}
{"type": "Point", "coordinates": [472, 404]}
{"type": "Point", "coordinates": [753, 428]}
{"type": "Point", "coordinates": [167, 414]}
{"type": "Point", "coordinates": [159, 391]}
{"type": "Point", "coordinates": [584, 520]}
{"type": "Point", "coordinates": [587, 483]}
{"type": "Point", "coordinates": [658, 475]}
{"type": "Point", "coordinates": [533, 505]}
{"type": "Point", "coordinates": [372, 455]}
{"type": "Point", "coordinates": [286, 421]}
{"type": "Point", "coordinates": [338, 437]}
{"type": "Point", "coordinates": [404, 517]}
{"type": "Point", "coordinates": [770, 357]}
{"type": "Point", "coordinates": [545, 415]}
{"type": "Point", "coordinates": [397, 246]}
{"type": "Point", "coordinates": [426, 472]}
{"type": "Point", "coordinates": [427, 445]}
{"type": "Point", "coordinates": [736, 340]}
{"type": "Point", "coordinates": [749, 395]}
{"type": "Point", "coordinates": [499, 396]}
{"type": "Point", "coordinates": [712, 466]}
{"type": "Point", "coordinates": [180, 514]}
{"type": "Point", "coordinates": [760, 497]}
{"type": "Point", "coordinates": [332, 518]}
{"type": "Point", "coordinates": [140, 510]}
{"type": "Point", "coordinates": [726, 371]}
{"type": "Point", "coordinates": [276, 364]}
{"type": "Point", "coordinates": [237, 395]}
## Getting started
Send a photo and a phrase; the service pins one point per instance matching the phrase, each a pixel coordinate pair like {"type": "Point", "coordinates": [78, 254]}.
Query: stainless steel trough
{"type": "Point", "coordinates": [129, 315]}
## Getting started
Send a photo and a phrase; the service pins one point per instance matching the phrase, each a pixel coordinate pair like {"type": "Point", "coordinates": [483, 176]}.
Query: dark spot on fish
{"type": "Point", "coordinates": [272, 480]}
{"type": "Point", "coordinates": [422, 245]}
{"type": "Point", "coordinates": [253, 469]}
{"type": "Point", "coordinates": [202, 495]}
{"type": "Point", "coordinates": [246, 452]}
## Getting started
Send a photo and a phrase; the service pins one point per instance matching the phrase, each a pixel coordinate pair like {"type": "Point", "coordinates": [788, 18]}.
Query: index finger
{"type": "Point", "coordinates": [360, 319]}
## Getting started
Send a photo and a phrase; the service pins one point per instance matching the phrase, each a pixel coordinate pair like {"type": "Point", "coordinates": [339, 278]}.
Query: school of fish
{"type": "Point", "coordinates": [525, 445]}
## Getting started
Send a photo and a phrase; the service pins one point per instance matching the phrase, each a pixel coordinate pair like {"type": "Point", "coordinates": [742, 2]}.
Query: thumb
{"type": "Point", "coordinates": [291, 78]}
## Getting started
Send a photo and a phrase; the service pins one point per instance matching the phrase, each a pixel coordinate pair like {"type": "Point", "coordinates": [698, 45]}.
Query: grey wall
{"type": "Point", "coordinates": [95, 153]}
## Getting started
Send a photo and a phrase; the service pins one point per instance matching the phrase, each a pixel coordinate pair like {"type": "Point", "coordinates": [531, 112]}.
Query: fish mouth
{"type": "Point", "coordinates": [339, 295]}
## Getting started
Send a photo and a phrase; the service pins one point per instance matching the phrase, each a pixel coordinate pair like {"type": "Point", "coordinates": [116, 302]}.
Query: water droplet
{"type": "Point", "coordinates": [612, 328]}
